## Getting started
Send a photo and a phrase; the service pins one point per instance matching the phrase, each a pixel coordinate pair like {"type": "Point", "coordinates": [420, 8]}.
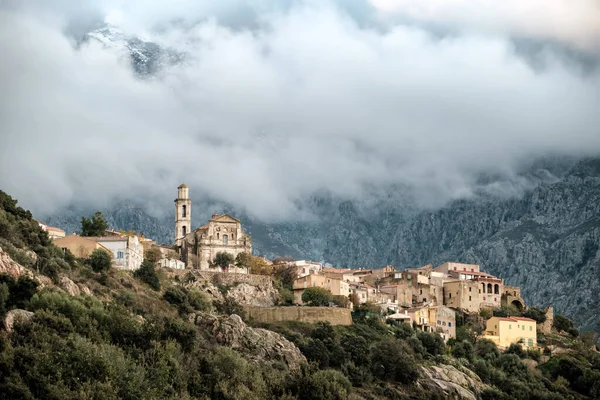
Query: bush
{"type": "Point", "coordinates": [433, 343]}
{"type": "Point", "coordinates": [16, 293]}
{"type": "Point", "coordinates": [391, 360]}
{"type": "Point", "coordinates": [341, 301]}
{"type": "Point", "coordinates": [464, 350]}
{"type": "Point", "coordinates": [147, 274]}
{"type": "Point", "coordinates": [562, 323]}
{"type": "Point", "coordinates": [486, 349]}
{"type": "Point", "coordinates": [100, 260]}
{"type": "Point", "coordinates": [316, 296]}
{"type": "Point", "coordinates": [515, 348]}
{"type": "Point", "coordinates": [535, 313]}
{"type": "Point", "coordinates": [326, 385]}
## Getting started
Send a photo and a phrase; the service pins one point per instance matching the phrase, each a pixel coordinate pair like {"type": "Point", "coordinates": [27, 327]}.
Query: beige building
{"type": "Point", "coordinates": [462, 294]}
{"type": "Point", "coordinates": [506, 331]}
{"type": "Point", "coordinates": [449, 267]}
{"type": "Point", "coordinates": [52, 231]}
{"type": "Point", "coordinates": [81, 247]}
{"type": "Point", "coordinates": [443, 321]}
{"type": "Point", "coordinates": [337, 287]}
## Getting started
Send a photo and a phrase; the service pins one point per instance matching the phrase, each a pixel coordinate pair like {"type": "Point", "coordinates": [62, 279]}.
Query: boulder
{"type": "Point", "coordinates": [452, 382]}
{"type": "Point", "coordinates": [17, 316]}
{"type": "Point", "coordinates": [69, 286]}
{"type": "Point", "coordinates": [258, 345]}
{"type": "Point", "coordinates": [12, 268]}
{"type": "Point", "coordinates": [254, 295]}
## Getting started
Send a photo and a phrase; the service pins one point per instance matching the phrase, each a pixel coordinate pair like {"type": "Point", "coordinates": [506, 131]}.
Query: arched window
{"type": "Point", "coordinates": [483, 287]}
{"type": "Point", "coordinates": [183, 230]}
{"type": "Point", "coordinates": [489, 288]}
{"type": "Point", "coordinates": [217, 236]}
{"type": "Point", "coordinates": [496, 289]}
{"type": "Point", "coordinates": [184, 211]}
{"type": "Point", "coordinates": [225, 239]}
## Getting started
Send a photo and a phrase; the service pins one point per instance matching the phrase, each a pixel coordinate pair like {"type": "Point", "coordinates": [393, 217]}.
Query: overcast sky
{"type": "Point", "coordinates": [279, 99]}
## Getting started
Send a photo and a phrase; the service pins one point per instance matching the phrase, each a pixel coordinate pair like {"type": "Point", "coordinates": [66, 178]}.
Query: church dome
{"type": "Point", "coordinates": [182, 186]}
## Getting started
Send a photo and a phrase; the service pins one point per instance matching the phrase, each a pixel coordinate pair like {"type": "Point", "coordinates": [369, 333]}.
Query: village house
{"type": "Point", "coordinates": [52, 231]}
{"type": "Point", "coordinates": [307, 267]}
{"type": "Point", "coordinates": [79, 246]}
{"type": "Point", "coordinates": [126, 250]}
{"type": "Point", "coordinates": [444, 320]}
{"type": "Point", "coordinates": [337, 287]}
{"type": "Point", "coordinates": [506, 331]}
{"type": "Point", "coordinates": [462, 294]}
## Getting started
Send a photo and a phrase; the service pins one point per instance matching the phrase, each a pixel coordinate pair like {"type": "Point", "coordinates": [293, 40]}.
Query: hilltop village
{"type": "Point", "coordinates": [107, 311]}
{"type": "Point", "coordinates": [429, 298]}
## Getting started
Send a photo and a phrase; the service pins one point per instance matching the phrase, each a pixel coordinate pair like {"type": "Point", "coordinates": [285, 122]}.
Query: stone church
{"type": "Point", "coordinates": [198, 248]}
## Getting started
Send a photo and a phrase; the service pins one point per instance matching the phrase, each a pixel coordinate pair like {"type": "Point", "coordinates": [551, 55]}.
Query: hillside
{"type": "Point", "coordinates": [545, 241]}
{"type": "Point", "coordinates": [70, 332]}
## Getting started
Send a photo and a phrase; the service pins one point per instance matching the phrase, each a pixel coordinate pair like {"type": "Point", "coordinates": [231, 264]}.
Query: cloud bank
{"type": "Point", "coordinates": [279, 100]}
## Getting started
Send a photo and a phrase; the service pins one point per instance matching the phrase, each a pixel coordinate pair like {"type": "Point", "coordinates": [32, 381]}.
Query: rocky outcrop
{"type": "Point", "coordinates": [258, 345]}
{"type": "Point", "coordinates": [260, 296]}
{"type": "Point", "coordinates": [69, 286]}
{"type": "Point", "coordinates": [453, 384]}
{"type": "Point", "coordinates": [10, 267]}
{"type": "Point", "coordinates": [17, 316]}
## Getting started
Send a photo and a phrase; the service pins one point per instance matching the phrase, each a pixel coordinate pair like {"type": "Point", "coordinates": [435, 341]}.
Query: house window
{"type": "Point", "coordinates": [530, 342]}
{"type": "Point", "coordinates": [450, 324]}
{"type": "Point", "coordinates": [184, 230]}
{"type": "Point", "coordinates": [120, 254]}
{"type": "Point", "coordinates": [530, 328]}
{"type": "Point", "coordinates": [439, 322]}
{"type": "Point", "coordinates": [469, 298]}
{"type": "Point", "coordinates": [184, 211]}
{"type": "Point", "coordinates": [449, 295]}
{"type": "Point", "coordinates": [509, 326]}
{"type": "Point", "coordinates": [225, 238]}
{"type": "Point", "coordinates": [218, 236]}
{"type": "Point", "coordinates": [421, 291]}
{"type": "Point", "coordinates": [443, 324]}
{"type": "Point", "coordinates": [522, 327]}
{"type": "Point", "coordinates": [64, 249]}
{"type": "Point", "coordinates": [469, 289]}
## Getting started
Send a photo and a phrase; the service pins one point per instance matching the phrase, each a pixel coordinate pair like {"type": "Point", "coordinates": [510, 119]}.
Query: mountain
{"type": "Point", "coordinates": [545, 241]}
{"type": "Point", "coordinates": [147, 57]}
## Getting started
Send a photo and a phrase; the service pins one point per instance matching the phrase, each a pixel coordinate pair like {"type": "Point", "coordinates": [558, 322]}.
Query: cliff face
{"type": "Point", "coordinates": [545, 241]}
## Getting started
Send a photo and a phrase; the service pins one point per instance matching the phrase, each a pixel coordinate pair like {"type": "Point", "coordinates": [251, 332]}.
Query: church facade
{"type": "Point", "coordinates": [198, 248]}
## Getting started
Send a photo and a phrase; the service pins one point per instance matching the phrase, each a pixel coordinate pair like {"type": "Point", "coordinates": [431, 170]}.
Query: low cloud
{"type": "Point", "coordinates": [272, 104]}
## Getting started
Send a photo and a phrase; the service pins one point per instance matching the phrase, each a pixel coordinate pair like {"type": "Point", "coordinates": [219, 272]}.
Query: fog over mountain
{"type": "Point", "coordinates": [262, 106]}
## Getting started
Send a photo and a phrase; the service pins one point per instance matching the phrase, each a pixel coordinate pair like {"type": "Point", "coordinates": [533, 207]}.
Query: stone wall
{"type": "Point", "coordinates": [546, 327]}
{"type": "Point", "coordinates": [333, 315]}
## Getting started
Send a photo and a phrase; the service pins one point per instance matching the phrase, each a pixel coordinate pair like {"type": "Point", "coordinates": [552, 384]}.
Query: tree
{"type": "Point", "coordinates": [153, 254]}
{"type": "Point", "coordinates": [316, 296]}
{"type": "Point", "coordinates": [286, 275]}
{"type": "Point", "coordinates": [327, 384]}
{"type": "Point", "coordinates": [147, 274]}
{"type": "Point", "coordinates": [535, 313]}
{"type": "Point", "coordinates": [353, 297]}
{"type": "Point", "coordinates": [223, 259]}
{"type": "Point", "coordinates": [341, 301]}
{"type": "Point", "coordinates": [391, 360]}
{"type": "Point", "coordinates": [96, 226]}
{"type": "Point", "coordinates": [100, 260]}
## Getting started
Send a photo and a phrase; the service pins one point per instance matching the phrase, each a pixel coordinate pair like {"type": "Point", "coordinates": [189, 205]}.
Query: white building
{"type": "Point", "coordinates": [128, 252]}
{"type": "Point", "coordinates": [305, 268]}
{"type": "Point", "coordinates": [171, 263]}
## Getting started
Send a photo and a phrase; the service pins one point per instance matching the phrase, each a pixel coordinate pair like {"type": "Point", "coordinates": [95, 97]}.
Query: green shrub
{"type": "Point", "coordinates": [535, 313]}
{"type": "Point", "coordinates": [392, 360]}
{"type": "Point", "coordinates": [464, 350]}
{"type": "Point", "coordinates": [316, 296]}
{"type": "Point", "coordinates": [147, 274]}
{"type": "Point", "coordinates": [433, 343]}
{"type": "Point", "coordinates": [100, 260]}
{"type": "Point", "coordinates": [487, 349]}
{"type": "Point", "coordinates": [326, 385]}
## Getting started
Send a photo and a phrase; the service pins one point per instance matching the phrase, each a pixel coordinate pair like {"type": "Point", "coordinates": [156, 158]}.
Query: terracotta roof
{"type": "Point", "coordinates": [515, 319]}
{"type": "Point", "coordinates": [106, 238]}
{"type": "Point", "coordinates": [205, 226]}
{"type": "Point", "coordinates": [53, 228]}
{"type": "Point", "coordinates": [337, 270]}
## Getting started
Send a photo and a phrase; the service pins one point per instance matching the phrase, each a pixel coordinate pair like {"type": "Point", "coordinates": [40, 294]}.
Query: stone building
{"type": "Point", "coordinates": [511, 296]}
{"type": "Point", "coordinates": [462, 294]}
{"type": "Point", "coordinates": [198, 248]}
{"type": "Point", "coordinates": [222, 233]}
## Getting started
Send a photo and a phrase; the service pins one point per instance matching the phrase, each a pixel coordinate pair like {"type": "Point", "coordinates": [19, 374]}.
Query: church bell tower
{"type": "Point", "coordinates": [183, 213]}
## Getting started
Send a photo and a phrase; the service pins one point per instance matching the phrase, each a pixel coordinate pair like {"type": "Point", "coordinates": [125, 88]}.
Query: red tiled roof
{"type": "Point", "coordinates": [53, 228]}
